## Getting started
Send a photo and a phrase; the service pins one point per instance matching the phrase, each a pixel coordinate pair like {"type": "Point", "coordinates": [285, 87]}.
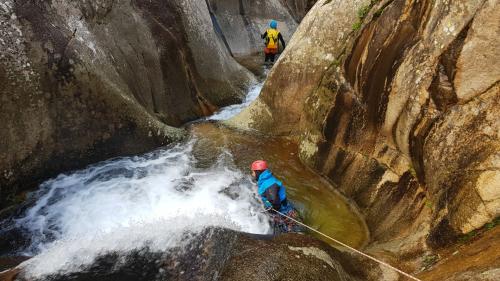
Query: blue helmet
{"type": "Point", "coordinates": [273, 24]}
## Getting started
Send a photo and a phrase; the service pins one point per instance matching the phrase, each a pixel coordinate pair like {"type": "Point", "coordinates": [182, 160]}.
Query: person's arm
{"type": "Point", "coordinates": [264, 35]}
{"type": "Point", "coordinates": [282, 40]}
{"type": "Point", "coordinates": [265, 202]}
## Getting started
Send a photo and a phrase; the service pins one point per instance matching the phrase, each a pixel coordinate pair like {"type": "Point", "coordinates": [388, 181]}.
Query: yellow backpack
{"type": "Point", "coordinates": [272, 38]}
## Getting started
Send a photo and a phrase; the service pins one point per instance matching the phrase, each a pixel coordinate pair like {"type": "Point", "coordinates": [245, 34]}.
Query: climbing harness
{"type": "Point", "coordinates": [348, 247]}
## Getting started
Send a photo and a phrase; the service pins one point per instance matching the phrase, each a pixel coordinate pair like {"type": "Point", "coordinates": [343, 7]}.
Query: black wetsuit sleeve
{"type": "Point", "coordinates": [282, 40]}
{"type": "Point", "coordinates": [272, 195]}
{"type": "Point", "coordinates": [264, 35]}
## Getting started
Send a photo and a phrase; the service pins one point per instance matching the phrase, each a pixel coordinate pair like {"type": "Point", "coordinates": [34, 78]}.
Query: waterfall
{"type": "Point", "coordinates": [159, 200]}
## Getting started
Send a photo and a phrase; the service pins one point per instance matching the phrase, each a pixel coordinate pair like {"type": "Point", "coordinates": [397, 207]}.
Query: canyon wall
{"type": "Point", "coordinates": [241, 23]}
{"type": "Point", "coordinates": [397, 103]}
{"type": "Point", "coordinates": [82, 81]}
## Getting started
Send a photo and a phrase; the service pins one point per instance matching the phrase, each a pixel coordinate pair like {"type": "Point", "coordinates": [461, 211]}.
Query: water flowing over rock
{"type": "Point", "coordinates": [145, 217]}
{"type": "Point", "coordinates": [82, 81]}
{"type": "Point", "coordinates": [218, 254]}
{"type": "Point", "coordinates": [398, 103]}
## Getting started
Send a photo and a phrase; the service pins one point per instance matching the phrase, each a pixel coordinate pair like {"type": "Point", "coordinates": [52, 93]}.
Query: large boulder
{"type": "Point", "coordinates": [81, 81]}
{"type": "Point", "coordinates": [397, 102]}
{"type": "Point", "coordinates": [314, 47]}
{"type": "Point", "coordinates": [218, 254]}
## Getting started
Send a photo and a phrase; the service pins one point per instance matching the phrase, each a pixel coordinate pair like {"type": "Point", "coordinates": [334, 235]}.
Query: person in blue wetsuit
{"type": "Point", "coordinates": [271, 190]}
{"type": "Point", "coordinates": [273, 195]}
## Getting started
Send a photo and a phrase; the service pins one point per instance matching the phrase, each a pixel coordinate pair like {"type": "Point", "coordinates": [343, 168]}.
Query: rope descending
{"type": "Point", "coordinates": [349, 247]}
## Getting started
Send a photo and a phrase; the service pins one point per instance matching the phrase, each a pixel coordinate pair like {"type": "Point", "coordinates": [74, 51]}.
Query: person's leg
{"type": "Point", "coordinates": [267, 57]}
{"type": "Point", "coordinates": [272, 57]}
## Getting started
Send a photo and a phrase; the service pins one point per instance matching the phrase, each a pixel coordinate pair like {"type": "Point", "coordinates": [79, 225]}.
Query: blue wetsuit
{"type": "Point", "coordinates": [272, 192]}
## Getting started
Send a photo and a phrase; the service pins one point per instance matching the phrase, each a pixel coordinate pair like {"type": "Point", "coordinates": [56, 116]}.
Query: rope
{"type": "Point", "coordinates": [350, 248]}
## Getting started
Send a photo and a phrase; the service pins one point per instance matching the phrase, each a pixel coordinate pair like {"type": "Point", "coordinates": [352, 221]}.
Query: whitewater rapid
{"type": "Point", "coordinates": [233, 110]}
{"type": "Point", "coordinates": [159, 201]}
{"type": "Point", "coordinates": [155, 201]}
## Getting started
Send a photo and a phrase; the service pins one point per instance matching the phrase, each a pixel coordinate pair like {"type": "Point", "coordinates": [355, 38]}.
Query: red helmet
{"type": "Point", "coordinates": [259, 165]}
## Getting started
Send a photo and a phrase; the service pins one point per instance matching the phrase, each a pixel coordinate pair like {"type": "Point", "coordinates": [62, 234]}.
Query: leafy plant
{"type": "Point", "coordinates": [362, 13]}
{"type": "Point", "coordinates": [357, 25]}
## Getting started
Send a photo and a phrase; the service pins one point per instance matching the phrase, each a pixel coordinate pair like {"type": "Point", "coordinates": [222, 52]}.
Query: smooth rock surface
{"type": "Point", "coordinates": [400, 108]}
{"type": "Point", "coordinates": [242, 22]}
{"type": "Point", "coordinates": [82, 81]}
{"type": "Point", "coordinates": [219, 254]}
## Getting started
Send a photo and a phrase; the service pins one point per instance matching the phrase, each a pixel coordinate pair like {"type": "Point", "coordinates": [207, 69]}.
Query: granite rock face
{"type": "Point", "coordinates": [218, 254]}
{"type": "Point", "coordinates": [299, 8]}
{"type": "Point", "coordinates": [241, 23]}
{"type": "Point", "coordinates": [314, 47]}
{"type": "Point", "coordinates": [82, 81]}
{"type": "Point", "coordinates": [397, 102]}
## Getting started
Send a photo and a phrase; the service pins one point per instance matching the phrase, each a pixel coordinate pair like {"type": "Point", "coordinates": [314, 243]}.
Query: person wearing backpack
{"type": "Point", "coordinates": [272, 37]}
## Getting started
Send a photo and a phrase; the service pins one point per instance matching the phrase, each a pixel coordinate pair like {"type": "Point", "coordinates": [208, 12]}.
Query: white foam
{"type": "Point", "coordinates": [129, 203]}
{"type": "Point", "coordinates": [230, 111]}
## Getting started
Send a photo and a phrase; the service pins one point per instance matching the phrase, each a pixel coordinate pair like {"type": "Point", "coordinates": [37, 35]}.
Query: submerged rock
{"type": "Point", "coordinates": [218, 254]}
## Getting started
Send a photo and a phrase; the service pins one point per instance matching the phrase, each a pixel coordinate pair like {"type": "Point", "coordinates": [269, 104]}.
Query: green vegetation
{"type": "Point", "coordinates": [429, 204]}
{"type": "Point", "coordinates": [492, 224]}
{"type": "Point", "coordinates": [469, 236]}
{"type": "Point", "coordinates": [363, 12]}
{"type": "Point", "coordinates": [429, 261]}
{"type": "Point", "coordinates": [357, 26]}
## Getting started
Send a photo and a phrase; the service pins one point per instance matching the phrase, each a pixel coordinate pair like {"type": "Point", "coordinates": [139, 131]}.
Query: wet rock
{"type": "Point", "coordinates": [219, 254]}
{"type": "Point", "coordinates": [288, 257]}
{"type": "Point", "coordinates": [316, 45]}
{"type": "Point", "coordinates": [465, 200]}
{"type": "Point", "coordinates": [299, 8]}
{"type": "Point", "coordinates": [395, 101]}
{"type": "Point", "coordinates": [478, 260]}
{"type": "Point", "coordinates": [82, 81]}
{"type": "Point", "coordinates": [10, 262]}
{"type": "Point", "coordinates": [242, 22]}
